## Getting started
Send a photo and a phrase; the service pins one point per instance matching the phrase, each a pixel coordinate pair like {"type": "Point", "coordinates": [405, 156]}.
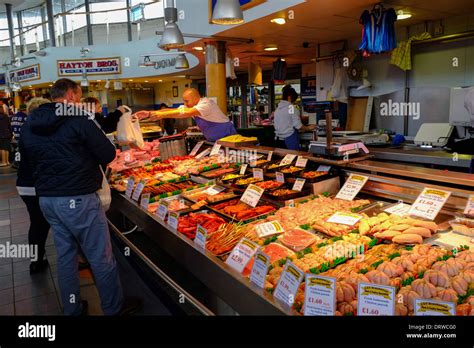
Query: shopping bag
{"type": "Point", "coordinates": [128, 130]}
{"type": "Point", "coordinates": [104, 194]}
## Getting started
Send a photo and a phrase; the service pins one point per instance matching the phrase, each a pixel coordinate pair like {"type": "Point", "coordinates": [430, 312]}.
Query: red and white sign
{"type": "Point", "coordinates": [25, 74]}
{"type": "Point", "coordinates": [93, 66]}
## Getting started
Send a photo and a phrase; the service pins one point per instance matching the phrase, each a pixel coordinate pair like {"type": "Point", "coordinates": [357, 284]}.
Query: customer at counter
{"type": "Point", "coordinates": [107, 124]}
{"type": "Point", "coordinates": [287, 121]}
{"type": "Point", "coordinates": [214, 124]}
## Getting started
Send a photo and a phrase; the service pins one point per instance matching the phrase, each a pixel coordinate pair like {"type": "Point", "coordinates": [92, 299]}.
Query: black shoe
{"type": "Point", "coordinates": [85, 308]}
{"type": "Point", "coordinates": [38, 266]}
{"type": "Point", "coordinates": [84, 265]}
{"type": "Point", "coordinates": [130, 306]}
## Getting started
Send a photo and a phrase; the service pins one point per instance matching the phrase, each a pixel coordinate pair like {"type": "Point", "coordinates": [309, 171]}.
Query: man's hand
{"type": "Point", "coordinates": [142, 114]}
{"type": "Point", "coordinates": [121, 108]}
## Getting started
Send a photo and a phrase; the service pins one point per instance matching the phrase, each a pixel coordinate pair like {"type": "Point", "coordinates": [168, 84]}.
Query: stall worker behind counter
{"type": "Point", "coordinates": [287, 121]}
{"type": "Point", "coordinates": [214, 124]}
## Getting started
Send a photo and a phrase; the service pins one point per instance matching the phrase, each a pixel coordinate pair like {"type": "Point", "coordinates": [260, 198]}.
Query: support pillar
{"type": "Point", "coordinates": [215, 73]}
{"type": "Point", "coordinates": [11, 32]}
{"type": "Point", "coordinates": [50, 16]}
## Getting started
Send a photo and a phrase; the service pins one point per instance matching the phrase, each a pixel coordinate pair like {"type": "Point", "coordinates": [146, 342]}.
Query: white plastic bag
{"type": "Point", "coordinates": [128, 130]}
{"type": "Point", "coordinates": [104, 194]}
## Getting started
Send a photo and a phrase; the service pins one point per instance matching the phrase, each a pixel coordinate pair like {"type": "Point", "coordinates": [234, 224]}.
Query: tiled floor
{"type": "Point", "coordinates": [25, 294]}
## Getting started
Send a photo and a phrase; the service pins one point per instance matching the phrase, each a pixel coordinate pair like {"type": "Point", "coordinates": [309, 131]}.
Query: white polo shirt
{"type": "Point", "coordinates": [209, 111]}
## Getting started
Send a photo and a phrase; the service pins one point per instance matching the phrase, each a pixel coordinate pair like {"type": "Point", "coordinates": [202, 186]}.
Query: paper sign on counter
{"type": "Point", "coordinates": [288, 284]}
{"type": "Point", "coordinates": [243, 168]}
{"type": "Point", "coordinates": [201, 237]}
{"type": "Point", "coordinates": [374, 299]}
{"type": "Point", "coordinates": [215, 149]}
{"type": "Point", "coordinates": [138, 190]}
{"type": "Point", "coordinates": [260, 269]}
{"type": "Point", "coordinates": [298, 185]}
{"type": "Point", "coordinates": [352, 187]}
{"type": "Point", "coordinates": [145, 200]}
{"type": "Point", "coordinates": [130, 185]}
{"type": "Point", "coordinates": [203, 154]}
{"type": "Point", "coordinates": [287, 159]}
{"type": "Point", "coordinates": [344, 218]}
{"type": "Point", "coordinates": [470, 206]}
{"type": "Point", "coordinates": [173, 219]}
{"type": "Point", "coordinates": [258, 173]}
{"type": "Point", "coordinates": [280, 177]}
{"type": "Point", "coordinates": [400, 209]}
{"type": "Point", "coordinates": [215, 189]}
{"type": "Point", "coordinates": [429, 203]}
{"type": "Point", "coordinates": [252, 195]}
{"type": "Point", "coordinates": [301, 162]}
{"type": "Point", "coordinates": [320, 295]}
{"type": "Point", "coordinates": [241, 254]}
{"type": "Point", "coordinates": [162, 210]}
{"type": "Point", "coordinates": [425, 307]}
{"type": "Point", "coordinates": [196, 148]}
{"type": "Point", "coordinates": [269, 156]}
{"type": "Point", "coordinates": [269, 228]}
{"type": "Point", "coordinates": [323, 169]}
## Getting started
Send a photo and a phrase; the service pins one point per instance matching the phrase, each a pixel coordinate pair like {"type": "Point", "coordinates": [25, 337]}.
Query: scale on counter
{"type": "Point", "coordinates": [432, 135]}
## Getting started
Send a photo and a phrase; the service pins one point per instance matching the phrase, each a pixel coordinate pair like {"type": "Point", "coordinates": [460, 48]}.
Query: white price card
{"type": "Point", "coordinates": [215, 189]}
{"type": "Point", "coordinates": [173, 219]}
{"type": "Point", "coordinates": [260, 267]}
{"type": "Point", "coordinates": [280, 177]}
{"type": "Point", "coordinates": [162, 210]}
{"type": "Point", "coordinates": [138, 190]}
{"type": "Point", "coordinates": [298, 185]}
{"type": "Point", "coordinates": [215, 149]}
{"type": "Point", "coordinates": [203, 154]}
{"type": "Point", "coordinates": [374, 300]}
{"type": "Point", "coordinates": [352, 187]}
{"type": "Point", "coordinates": [243, 168]}
{"type": "Point", "coordinates": [323, 169]}
{"type": "Point", "coordinates": [241, 254]}
{"type": "Point", "coordinates": [344, 218]}
{"type": "Point", "coordinates": [258, 173]}
{"type": "Point", "coordinates": [287, 159]}
{"type": "Point", "coordinates": [145, 200]}
{"type": "Point", "coordinates": [130, 185]}
{"type": "Point", "coordinates": [301, 162]}
{"type": "Point", "coordinates": [319, 295]}
{"type": "Point", "coordinates": [288, 284]}
{"type": "Point", "coordinates": [196, 148]}
{"type": "Point", "coordinates": [269, 156]}
{"type": "Point", "coordinates": [252, 195]}
{"type": "Point", "coordinates": [400, 209]}
{"type": "Point", "coordinates": [201, 237]}
{"type": "Point", "coordinates": [424, 307]}
{"type": "Point", "coordinates": [429, 203]}
{"type": "Point", "coordinates": [470, 206]}
{"type": "Point", "coordinates": [269, 228]}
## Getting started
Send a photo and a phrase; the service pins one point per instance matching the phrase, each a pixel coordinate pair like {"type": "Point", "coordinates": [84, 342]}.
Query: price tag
{"type": "Point", "coordinates": [258, 173]}
{"type": "Point", "coordinates": [252, 195]}
{"type": "Point", "coordinates": [429, 203]}
{"type": "Point", "coordinates": [352, 187]}
{"type": "Point", "coordinates": [269, 229]}
{"type": "Point", "coordinates": [243, 168]}
{"type": "Point", "coordinates": [470, 206]}
{"type": "Point", "coordinates": [173, 219]}
{"type": "Point", "coordinates": [260, 269]}
{"type": "Point", "coordinates": [215, 149]}
{"type": "Point", "coordinates": [287, 160]}
{"type": "Point", "coordinates": [287, 286]}
{"type": "Point", "coordinates": [323, 169]}
{"type": "Point", "coordinates": [280, 177]}
{"type": "Point", "coordinates": [298, 185]}
{"type": "Point", "coordinates": [138, 191]}
{"type": "Point", "coordinates": [201, 237]}
{"type": "Point", "coordinates": [400, 209]}
{"type": "Point", "coordinates": [319, 295]}
{"type": "Point", "coordinates": [196, 148]}
{"type": "Point", "coordinates": [269, 156]}
{"type": "Point", "coordinates": [432, 307]}
{"type": "Point", "coordinates": [203, 154]}
{"type": "Point", "coordinates": [241, 254]}
{"type": "Point", "coordinates": [130, 185]}
{"type": "Point", "coordinates": [374, 299]}
{"type": "Point", "coordinates": [215, 189]}
{"type": "Point", "coordinates": [145, 200]}
{"type": "Point", "coordinates": [344, 218]}
{"type": "Point", "coordinates": [301, 162]}
{"type": "Point", "coordinates": [162, 210]}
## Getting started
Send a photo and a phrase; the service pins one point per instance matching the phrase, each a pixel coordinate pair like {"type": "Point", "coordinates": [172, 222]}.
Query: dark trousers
{"type": "Point", "coordinates": [39, 226]}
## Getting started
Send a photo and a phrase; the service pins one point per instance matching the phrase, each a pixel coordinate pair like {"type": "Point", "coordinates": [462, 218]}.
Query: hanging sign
{"type": "Point", "coordinates": [28, 73]}
{"type": "Point", "coordinates": [92, 66]}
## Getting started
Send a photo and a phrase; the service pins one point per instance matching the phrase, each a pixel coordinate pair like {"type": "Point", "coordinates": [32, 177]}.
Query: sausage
{"type": "Point", "coordinates": [426, 224]}
{"type": "Point", "coordinates": [408, 238]}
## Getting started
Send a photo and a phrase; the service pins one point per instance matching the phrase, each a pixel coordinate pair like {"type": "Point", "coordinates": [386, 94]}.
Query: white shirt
{"type": "Point", "coordinates": [209, 111]}
{"type": "Point", "coordinates": [286, 119]}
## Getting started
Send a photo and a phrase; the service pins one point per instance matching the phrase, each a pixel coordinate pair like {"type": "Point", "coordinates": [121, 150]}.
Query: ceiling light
{"type": "Point", "coordinates": [130, 80]}
{"type": "Point", "coordinates": [160, 80]}
{"type": "Point", "coordinates": [52, 85]}
{"type": "Point", "coordinates": [146, 81]}
{"type": "Point", "coordinates": [172, 37]}
{"type": "Point", "coordinates": [84, 83]}
{"type": "Point", "coordinates": [227, 12]}
{"type": "Point", "coordinates": [279, 20]}
{"type": "Point", "coordinates": [99, 80]}
{"type": "Point", "coordinates": [181, 62]}
{"type": "Point", "coordinates": [271, 48]}
{"type": "Point", "coordinates": [197, 48]}
{"type": "Point", "coordinates": [283, 59]}
{"type": "Point", "coordinates": [401, 15]}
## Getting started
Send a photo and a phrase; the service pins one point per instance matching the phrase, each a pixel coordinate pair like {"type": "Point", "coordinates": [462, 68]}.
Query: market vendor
{"type": "Point", "coordinates": [214, 124]}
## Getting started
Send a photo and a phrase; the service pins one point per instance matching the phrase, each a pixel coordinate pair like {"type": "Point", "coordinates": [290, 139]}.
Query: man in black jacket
{"type": "Point", "coordinates": [65, 147]}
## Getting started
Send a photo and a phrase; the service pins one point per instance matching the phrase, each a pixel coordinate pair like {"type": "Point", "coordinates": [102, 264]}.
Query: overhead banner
{"type": "Point", "coordinates": [28, 73]}
{"type": "Point", "coordinates": [93, 66]}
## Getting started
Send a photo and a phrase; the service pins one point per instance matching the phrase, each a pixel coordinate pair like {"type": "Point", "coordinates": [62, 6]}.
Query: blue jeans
{"type": "Point", "coordinates": [81, 220]}
{"type": "Point", "coordinates": [293, 141]}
